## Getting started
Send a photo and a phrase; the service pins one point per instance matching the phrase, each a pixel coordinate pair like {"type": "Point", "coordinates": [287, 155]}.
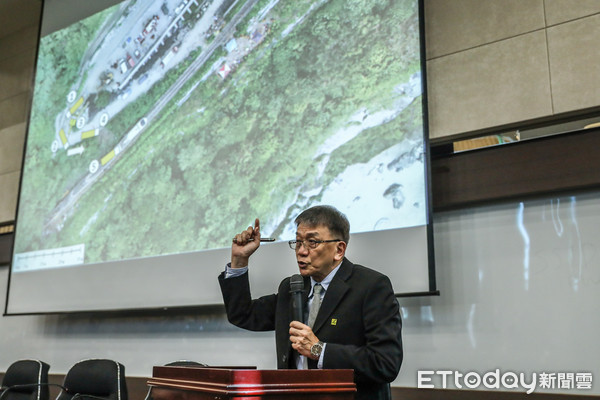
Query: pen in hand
{"type": "Point", "coordinates": [261, 239]}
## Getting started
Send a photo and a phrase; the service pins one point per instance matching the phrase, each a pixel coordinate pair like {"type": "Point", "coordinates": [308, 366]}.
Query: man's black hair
{"type": "Point", "coordinates": [328, 216]}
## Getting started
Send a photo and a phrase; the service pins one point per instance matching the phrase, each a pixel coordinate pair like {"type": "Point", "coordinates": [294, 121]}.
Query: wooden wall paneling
{"type": "Point", "coordinates": [560, 163]}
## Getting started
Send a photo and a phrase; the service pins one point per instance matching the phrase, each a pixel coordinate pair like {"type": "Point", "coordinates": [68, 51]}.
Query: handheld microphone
{"type": "Point", "coordinates": [296, 289]}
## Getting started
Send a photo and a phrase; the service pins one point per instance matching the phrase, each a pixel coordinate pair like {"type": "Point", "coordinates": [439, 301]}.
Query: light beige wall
{"type": "Point", "coordinates": [17, 58]}
{"type": "Point", "coordinates": [493, 63]}
{"type": "Point", "coordinates": [489, 63]}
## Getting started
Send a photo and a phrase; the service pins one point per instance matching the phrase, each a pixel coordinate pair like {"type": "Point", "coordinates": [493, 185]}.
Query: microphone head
{"type": "Point", "coordinates": [296, 283]}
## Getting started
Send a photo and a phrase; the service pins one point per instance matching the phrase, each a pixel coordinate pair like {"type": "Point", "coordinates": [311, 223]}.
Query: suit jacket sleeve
{"type": "Point", "coordinates": [242, 311]}
{"type": "Point", "coordinates": [377, 357]}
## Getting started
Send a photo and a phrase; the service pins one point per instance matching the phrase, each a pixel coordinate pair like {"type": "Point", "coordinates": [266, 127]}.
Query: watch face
{"type": "Point", "coordinates": [316, 349]}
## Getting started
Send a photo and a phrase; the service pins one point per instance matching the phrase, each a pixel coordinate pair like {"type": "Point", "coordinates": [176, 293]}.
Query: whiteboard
{"type": "Point", "coordinates": [520, 288]}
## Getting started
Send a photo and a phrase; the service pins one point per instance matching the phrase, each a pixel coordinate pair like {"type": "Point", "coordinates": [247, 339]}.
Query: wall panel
{"type": "Point", "coordinates": [490, 85]}
{"type": "Point", "coordinates": [575, 64]}
{"type": "Point", "coordinates": [559, 11]}
{"type": "Point", "coordinates": [9, 187]}
{"type": "Point", "coordinates": [16, 73]}
{"type": "Point", "coordinates": [14, 110]}
{"type": "Point", "coordinates": [18, 42]}
{"type": "Point", "coordinates": [458, 25]}
{"type": "Point", "coordinates": [12, 140]}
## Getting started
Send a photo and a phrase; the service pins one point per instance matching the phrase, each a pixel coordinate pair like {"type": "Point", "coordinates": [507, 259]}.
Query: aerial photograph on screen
{"type": "Point", "coordinates": [161, 127]}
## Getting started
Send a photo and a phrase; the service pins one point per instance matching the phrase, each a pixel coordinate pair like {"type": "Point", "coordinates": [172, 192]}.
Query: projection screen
{"type": "Point", "coordinates": [160, 129]}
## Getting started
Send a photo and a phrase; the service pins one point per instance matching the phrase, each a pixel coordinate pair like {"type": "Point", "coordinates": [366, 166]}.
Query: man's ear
{"type": "Point", "coordinates": [340, 250]}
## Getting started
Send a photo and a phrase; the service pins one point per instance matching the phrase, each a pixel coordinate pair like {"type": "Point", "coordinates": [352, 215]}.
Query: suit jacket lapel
{"type": "Point", "coordinates": [334, 294]}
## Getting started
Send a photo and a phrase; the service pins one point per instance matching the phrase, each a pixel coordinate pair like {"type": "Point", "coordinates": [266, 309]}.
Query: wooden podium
{"type": "Point", "coordinates": [248, 383]}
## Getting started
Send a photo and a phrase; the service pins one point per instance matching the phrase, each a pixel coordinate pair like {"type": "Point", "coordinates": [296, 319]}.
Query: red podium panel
{"type": "Point", "coordinates": [202, 383]}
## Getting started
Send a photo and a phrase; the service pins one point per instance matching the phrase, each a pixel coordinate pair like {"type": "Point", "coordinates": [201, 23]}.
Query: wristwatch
{"type": "Point", "coordinates": [316, 349]}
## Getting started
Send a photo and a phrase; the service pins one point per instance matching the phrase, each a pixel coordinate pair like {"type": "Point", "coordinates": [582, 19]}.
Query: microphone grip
{"type": "Point", "coordinates": [296, 290]}
{"type": "Point", "coordinates": [298, 314]}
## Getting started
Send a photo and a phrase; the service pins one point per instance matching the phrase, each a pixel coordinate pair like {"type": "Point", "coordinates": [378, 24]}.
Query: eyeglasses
{"type": "Point", "coordinates": [309, 244]}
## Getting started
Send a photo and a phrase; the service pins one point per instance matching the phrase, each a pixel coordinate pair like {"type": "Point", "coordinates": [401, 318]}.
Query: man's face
{"type": "Point", "coordinates": [320, 261]}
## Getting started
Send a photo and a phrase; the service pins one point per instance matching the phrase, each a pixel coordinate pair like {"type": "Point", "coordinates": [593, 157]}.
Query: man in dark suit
{"type": "Point", "coordinates": [358, 325]}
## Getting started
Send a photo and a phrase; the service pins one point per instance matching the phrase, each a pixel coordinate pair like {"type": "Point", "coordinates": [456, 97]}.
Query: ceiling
{"type": "Point", "coordinates": [16, 15]}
